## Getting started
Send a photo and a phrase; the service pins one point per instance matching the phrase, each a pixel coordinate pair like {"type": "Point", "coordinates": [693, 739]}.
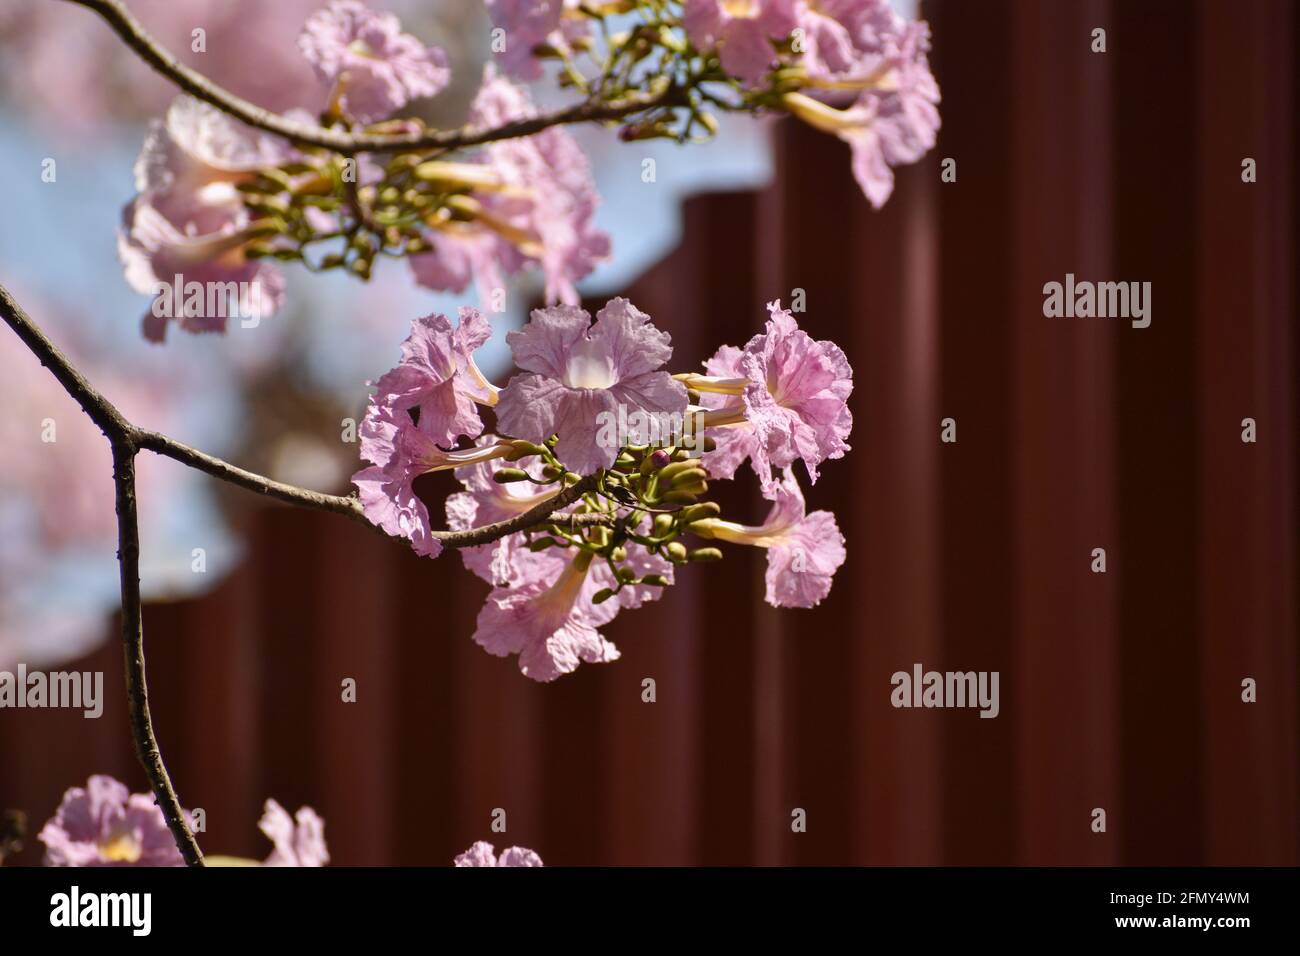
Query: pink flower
{"type": "Point", "coordinates": [400, 453]}
{"type": "Point", "coordinates": [577, 373]}
{"type": "Point", "coordinates": [737, 441]}
{"type": "Point", "coordinates": [741, 30]}
{"type": "Point", "coordinates": [184, 235]}
{"type": "Point", "coordinates": [375, 68]}
{"type": "Point", "coordinates": [803, 550]}
{"type": "Point", "coordinates": [549, 622]}
{"type": "Point", "coordinates": [539, 209]}
{"type": "Point", "coordinates": [506, 562]}
{"type": "Point", "coordinates": [531, 23]}
{"type": "Point", "coordinates": [787, 399]}
{"type": "Point", "coordinates": [797, 396]}
{"type": "Point", "coordinates": [894, 120]}
{"type": "Point", "coordinates": [438, 378]}
{"type": "Point", "coordinates": [483, 853]}
{"type": "Point", "coordinates": [103, 824]}
{"type": "Point", "coordinates": [299, 840]}
{"type": "Point", "coordinates": [548, 617]}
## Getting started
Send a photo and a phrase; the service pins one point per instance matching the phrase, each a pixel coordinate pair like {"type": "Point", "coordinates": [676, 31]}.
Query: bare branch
{"type": "Point", "coordinates": [137, 688]}
{"type": "Point", "coordinates": [122, 437]}
{"type": "Point", "coordinates": [101, 410]}
{"type": "Point", "coordinates": [196, 84]}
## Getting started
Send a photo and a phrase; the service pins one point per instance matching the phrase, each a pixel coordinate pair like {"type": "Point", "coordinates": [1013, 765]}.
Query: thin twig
{"type": "Point", "coordinates": [340, 141]}
{"type": "Point", "coordinates": [137, 687]}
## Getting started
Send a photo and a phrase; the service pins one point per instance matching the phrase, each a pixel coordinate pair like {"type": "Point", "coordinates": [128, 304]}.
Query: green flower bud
{"type": "Point", "coordinates": [676, 551]}
{"type": "Point", "coordinates": [505, 476]}
{"type": "Point", "coordinates": [705, 509]}
{"type": "Point", "coordinates": [601, 596]}
{"type": "Point", "coordinates": [706, 554]}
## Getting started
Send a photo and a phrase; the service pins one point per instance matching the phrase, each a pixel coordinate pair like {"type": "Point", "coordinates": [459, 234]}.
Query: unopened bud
{"type": "Point", "coordinates": [706, 554]}
{"type": "Point", "coordinates": [505, 476]}
{"type": "Point", "coordinates": [676, 551]}
{"type": "Point", "coordinates": [706, 509]}
{"type": "Point", "coordinates": [522, 449]}
{"type": "Point", "coordinates": [601, 596]}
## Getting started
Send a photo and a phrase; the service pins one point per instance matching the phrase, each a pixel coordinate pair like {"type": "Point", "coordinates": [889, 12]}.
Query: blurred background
{"type": "Point", "coordinates": [1119, 691]}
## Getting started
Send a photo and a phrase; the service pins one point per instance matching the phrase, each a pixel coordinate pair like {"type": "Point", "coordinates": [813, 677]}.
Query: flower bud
{"type": "Point", "coordinates": [706, 509]}
{"type": "Point", "coordinates": [655, 580]}
{"type": "Point", "coordinates": [676, 552]}
{"type": "Point", "coordinates": [505, 476]}
{"type": "Point", "coordinates": [706, 554]}
{"type": "Point", "coordinates": [601, 596]}
{"type": "Point", "coordinates": [524, 448]}
{"type": "Point", "coordinates": [663, 524]}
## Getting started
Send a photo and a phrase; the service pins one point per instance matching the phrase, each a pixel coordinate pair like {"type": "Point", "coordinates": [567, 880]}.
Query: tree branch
{"type": "Point", "coordinates": [196, 84]}
{"type": "Point", "coordinates": [137, 687]}
{"type": "Point", "coordinates": [123, 439]}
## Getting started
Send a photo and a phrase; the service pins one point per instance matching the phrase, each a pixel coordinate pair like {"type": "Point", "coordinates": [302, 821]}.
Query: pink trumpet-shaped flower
{"type": "Point", "coordinates": [399, 454]}
{"type": "Point", "coordinates": [894, 119]}
{"type": "Point", "coordinates": [784, 397]}
{"type": "Point", "coordinates": [483, 853]}
{"type": "Point", "coordinates": [103, 824]}
{"type": "Point", "coordinates": [438, 378]}
{"type": "Point", "coordinates": [299, 840]}
{"type": "Point", "coordinates": [742, 31]}
{"type": "Point", "coordinates": [532, 23]}
{"type": "Point", "coordinates": [506, 562]}
{"type": "Point", "coordinates": [183, 236]}
{"type": "Point", "coordinates": [549, 622]}
{"type": "Point", "coordinates": [797, 396]}
{"type": "Point", "coordinates": [374, 67]}
{"type": "Point", "coordinates": [578, 373]}
{"type": "Point", "coordinates": [803, 550]}
{"type": "Point", "coordinates": [536, 206]}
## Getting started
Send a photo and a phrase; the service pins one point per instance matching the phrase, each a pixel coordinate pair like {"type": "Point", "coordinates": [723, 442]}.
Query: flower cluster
{"type": "Point", "coordinates": [218, 202]}
{"type": "Point", "coordinates": [620, 450]}
{"type": "Point", "coordinates": [853, 68]}
{"type": "Point", "coordinates": [483, 853]}
{"type": "Point", "coordinates": [103, 824]}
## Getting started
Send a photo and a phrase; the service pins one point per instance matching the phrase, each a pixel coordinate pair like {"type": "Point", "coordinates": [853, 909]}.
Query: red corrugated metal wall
{"type": "Point", "coordinates": [1119, 691]}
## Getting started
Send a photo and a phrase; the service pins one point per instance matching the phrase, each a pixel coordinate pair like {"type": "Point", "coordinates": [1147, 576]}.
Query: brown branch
{"type": "Point", "coordinates": [137, 687]}
{"type": "Point", "coordinates": [122, 436]}
{"type": "Point", "coordinates": [196, 84]}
